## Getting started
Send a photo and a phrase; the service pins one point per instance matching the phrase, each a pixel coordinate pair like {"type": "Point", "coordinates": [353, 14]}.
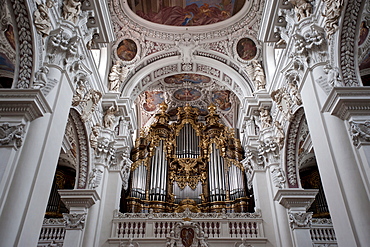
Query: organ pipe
{"type": "Point", "coordinates": [187, 162]}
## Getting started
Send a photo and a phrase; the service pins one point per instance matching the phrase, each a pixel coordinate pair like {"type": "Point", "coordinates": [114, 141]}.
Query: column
{"type": "Point", "coordinates": [27, 176]}
{"type": "Point", "coordinates": [30, 171]}
{"type": "Point", "coordinates": [104, 157]}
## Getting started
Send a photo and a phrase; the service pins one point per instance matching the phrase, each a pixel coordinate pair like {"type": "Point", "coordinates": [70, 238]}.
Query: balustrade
{"type": "Point", "coordinates": [322, 233]}
{"type": "Point", "coordinates": [52, 231]}
{"type": "Point", "coordinates": [214, 225]}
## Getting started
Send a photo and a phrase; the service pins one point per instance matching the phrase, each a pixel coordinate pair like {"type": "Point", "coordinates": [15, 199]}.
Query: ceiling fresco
{"type": "Point", "coordinates": [186, 12]}
{"type": "Point", "coordinates": [185, 88]}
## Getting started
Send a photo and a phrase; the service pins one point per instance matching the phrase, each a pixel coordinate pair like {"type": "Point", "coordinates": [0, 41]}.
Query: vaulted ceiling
{"type": "Point", "coordinates": [196, 52]}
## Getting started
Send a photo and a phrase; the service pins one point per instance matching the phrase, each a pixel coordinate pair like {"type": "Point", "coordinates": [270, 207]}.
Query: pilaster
{"type": "Point", "coordinates": [297, 201]}
{"type": "Point", "coordinates": [78, 202]}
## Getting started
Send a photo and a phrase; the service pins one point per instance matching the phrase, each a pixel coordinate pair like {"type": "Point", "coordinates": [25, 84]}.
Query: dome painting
{"type": "Point", "coordinates": [186, 13]}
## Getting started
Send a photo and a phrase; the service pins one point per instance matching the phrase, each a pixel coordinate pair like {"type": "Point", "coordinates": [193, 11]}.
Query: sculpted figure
{"type": "Point", "coordinates": [40, 77]}
{"type": "Point", "coordinates": [71, 10]}
{"type": "Point", "coordinates": [110, 118]}
{"type": "Point", "coordinates": [94, 136]}
{"type": "Point", "coordinates": [258, 76]}
{"type": "Point", "coordinates": [116, 76]}
{"type": "Point", "coordinates": [302, 8]}
{"type": "Point", "coordinates": [265, 118]}
{"type": "Point", "coordinates": [41, 19]}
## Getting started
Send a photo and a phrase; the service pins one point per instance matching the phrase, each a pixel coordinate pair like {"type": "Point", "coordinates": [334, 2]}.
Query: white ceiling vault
{"type": "Point", "coordinates": [199, 64]}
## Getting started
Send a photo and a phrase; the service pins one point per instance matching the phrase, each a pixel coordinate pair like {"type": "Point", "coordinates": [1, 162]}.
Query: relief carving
{"type": "Point", "coordinates": [302, 8]}
{"type": "Point", "coordinates": [11, 135]}
{"type": "Point", "coordinates": [74, 221]}
{"type": "Point", "coordinates": [311, 45]}
{"type": "Point", "coordinates": [95, 177]}
{"type": "Point", "coordinates": [258, 75]}
{"type": "Point", "coordinates": [332, 12]}
{"type": "Point", "coordinates": [41, 20]}
{"type": "Point", "coordinates": [110, 120]}
{"type": "Point", "coordinates": [71, 10]}
{"type": "Point", "coordinates": [300, 220]}
{"type": "Point", "coordinates": [41, 78]}
{"type": "Point", "coordinates": [117, 76]}
{"type": "Point", "coordinates": [360, 133]}
{"type": "Point", "coordinates": [278, 177]}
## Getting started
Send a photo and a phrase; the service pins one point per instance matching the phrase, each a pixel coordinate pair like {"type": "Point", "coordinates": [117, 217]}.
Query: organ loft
{"type": "Point", "coordinates": [187, 163]}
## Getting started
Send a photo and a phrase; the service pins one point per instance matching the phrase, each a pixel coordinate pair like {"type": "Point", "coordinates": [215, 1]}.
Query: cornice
{"type": "Point", "coordinates": [79, 198]}
{"type": "Point", "coordinates": [27, 104]}
{"type": "Point", "coordinates": [347, 102]}
{"type": "Point", "coordinates": [296, 198]}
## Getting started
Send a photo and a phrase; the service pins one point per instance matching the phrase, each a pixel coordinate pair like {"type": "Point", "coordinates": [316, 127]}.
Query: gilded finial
{"type": "Point", "coordinates": [212, 109]}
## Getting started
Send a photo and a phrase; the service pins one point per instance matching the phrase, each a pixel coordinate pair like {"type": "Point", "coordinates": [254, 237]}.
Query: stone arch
{"type": "Point", "coordinates": [291, 162]}
{"type": "Point", "coordinates": [348, 38]}
{"type": "Point", "coordinates": [82, 166]}
{"type": "Point", "coordinates": [233, 77]}
{"type": "Point", "coordinates": [25, 41]}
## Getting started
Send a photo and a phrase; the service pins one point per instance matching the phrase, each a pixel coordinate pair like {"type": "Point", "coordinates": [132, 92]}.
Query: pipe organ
{"type": "Point", "coordinates": [187, 164]}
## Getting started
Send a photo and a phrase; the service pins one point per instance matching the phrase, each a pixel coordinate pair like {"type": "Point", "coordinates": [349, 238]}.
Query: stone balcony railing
{"type": "Point", "coordinates": [148, 227]}
{"type": "Point", "coordinates": [52, 232]}
{"type": "Point", "coordinates": [322, 233]}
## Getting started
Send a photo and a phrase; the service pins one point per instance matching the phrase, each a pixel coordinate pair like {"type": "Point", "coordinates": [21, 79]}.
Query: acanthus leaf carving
{"type": "Point", "coordinates": [25, 43]}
